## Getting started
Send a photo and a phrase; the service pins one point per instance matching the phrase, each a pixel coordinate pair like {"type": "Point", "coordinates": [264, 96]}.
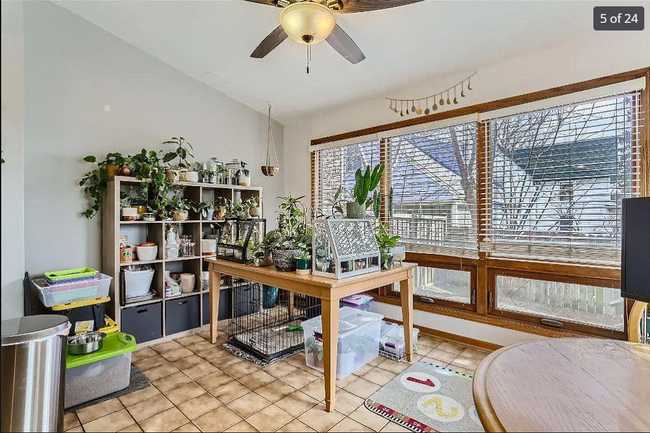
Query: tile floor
{"type": "Point", "coordinates": [197, 386]}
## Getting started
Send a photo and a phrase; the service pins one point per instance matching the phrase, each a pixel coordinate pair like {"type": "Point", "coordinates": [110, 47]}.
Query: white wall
{"type": "Point", "coordinates": [603, 53]}
{"type": "Point", "coordinates": [13, 185]}
{"type": "Point", "coordinates": [73, 70]}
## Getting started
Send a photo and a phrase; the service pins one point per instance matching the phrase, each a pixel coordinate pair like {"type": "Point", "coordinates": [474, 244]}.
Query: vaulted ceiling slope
{"type": "Point", "coordinates": [211, 41]}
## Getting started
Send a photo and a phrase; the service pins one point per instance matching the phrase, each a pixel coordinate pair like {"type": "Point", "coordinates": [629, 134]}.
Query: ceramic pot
{"type": "Point", "coordinates": [221, 212]}
{"type": "Point", "coordinates": [285, 260]}
{"type": "Point", "coordinates": [207, 213]}
{"type": "Point", "coordinates": [355, 210]}
{"type": "Point", "coordinates": [172, 175]}
{"type": "Point", "coordinates": [125, 170]}
{"type": "Point", "coordinates": [270, 296]}
{"type": "Point", "coordinates": [129, 213]}
{"type": "Point", "coordinates": [192, 176]}
{"type": "Point", "coordinates": [303, 266]}
{"type": "Point", "coordinates": [182, 175]}
{"type": "Point", "coordinates": [256, 212]}
{"type": "Point", "coordinates": [187, 283]}
{"type": "Point", "coordinates": [180, 215]}
{"type": "Point", "coordinates": [111, 170]}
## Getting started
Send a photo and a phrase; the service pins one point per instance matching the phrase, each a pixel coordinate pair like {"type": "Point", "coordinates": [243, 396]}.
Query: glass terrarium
{"type": "Point", "coordinates": [237, 237]}
{"type": "Point", "coordinates": [344, 248]}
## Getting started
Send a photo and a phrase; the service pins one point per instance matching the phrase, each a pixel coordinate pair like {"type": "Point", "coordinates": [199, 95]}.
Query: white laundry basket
{"type": "Point", "coordinates": [137, 283]}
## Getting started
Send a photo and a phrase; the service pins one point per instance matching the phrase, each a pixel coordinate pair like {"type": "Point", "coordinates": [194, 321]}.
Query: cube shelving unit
{"type": "Point", "coordinates": [160, 316]}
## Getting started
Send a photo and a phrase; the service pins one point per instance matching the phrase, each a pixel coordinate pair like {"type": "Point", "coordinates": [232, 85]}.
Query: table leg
{"type": "Point", "coordinates": [330, 314]}
{"type": "Point", "coordinates": [406, 293]}
{"type": "Point", "coordinates": [215, 287]}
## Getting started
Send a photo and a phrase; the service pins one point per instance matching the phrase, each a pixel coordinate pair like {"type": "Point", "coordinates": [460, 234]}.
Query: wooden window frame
{"type": "Point", "coordinates": [485, 269]}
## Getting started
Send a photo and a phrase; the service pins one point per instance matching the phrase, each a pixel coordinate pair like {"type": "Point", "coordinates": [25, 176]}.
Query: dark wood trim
{"type": "Point", "coordinates": [493, 105]}
{"type": "Point", "coordinates": [452, 337]}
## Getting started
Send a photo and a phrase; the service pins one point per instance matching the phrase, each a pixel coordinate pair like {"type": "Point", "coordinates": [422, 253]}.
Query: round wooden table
{"type": "Point", "coordinates": [565, 384]}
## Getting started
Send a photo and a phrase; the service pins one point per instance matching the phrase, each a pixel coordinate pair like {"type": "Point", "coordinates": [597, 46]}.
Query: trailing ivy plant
{"type": "Point", "coordinates": [147, 165]}
{"type": "Point", "coordinates": [94, 182]}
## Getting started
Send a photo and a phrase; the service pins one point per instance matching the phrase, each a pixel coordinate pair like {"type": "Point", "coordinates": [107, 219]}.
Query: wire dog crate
{"type": "Point", "coordinates": [265, 321]}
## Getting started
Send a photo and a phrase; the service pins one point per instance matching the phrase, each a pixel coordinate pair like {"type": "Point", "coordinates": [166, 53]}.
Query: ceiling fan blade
{"type": "Point", "coordinates": [269, 43]}
{"type": "Point", "coordinates": [264, 2]}
{"type": "Point", "coordinates": [344, 45]}
{"type": "Point", "coordinates": [352, 6]}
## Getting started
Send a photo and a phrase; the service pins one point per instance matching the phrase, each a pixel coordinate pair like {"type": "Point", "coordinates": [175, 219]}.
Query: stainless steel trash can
{"type": "Point", "coordinates": [33, 373]}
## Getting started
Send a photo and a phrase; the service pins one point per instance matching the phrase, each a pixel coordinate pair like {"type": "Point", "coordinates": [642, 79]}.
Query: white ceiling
{"type": "Point", "coordinates": [212, 41]}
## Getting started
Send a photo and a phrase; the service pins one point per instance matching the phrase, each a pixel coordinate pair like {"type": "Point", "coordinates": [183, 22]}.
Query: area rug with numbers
{"type": "Point", "coordinates": [428, 398]}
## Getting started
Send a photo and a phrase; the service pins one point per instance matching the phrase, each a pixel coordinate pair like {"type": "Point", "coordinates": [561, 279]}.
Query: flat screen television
{"type": "Point", "coordinates": [635, 254]}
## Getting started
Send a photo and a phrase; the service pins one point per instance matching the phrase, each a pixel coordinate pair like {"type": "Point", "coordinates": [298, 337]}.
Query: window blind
{"type": "Point", "coordinates": [555, 179]}
{"type": "Point", "coordinates": [334, 167]}
{"type": "Point", "coordinates": [433, 180]}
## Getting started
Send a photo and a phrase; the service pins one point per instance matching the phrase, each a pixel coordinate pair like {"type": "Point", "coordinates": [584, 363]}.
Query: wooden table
{"type": "Point", "coordinates": [565, 384]}
{"type": "Point", "coordinates": [329, 291]}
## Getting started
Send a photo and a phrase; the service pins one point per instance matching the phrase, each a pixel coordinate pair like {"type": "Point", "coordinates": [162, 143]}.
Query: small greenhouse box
{"type": "Point", "coordinates": [343, 248]}
{"type": "Point", "coordinates": [238, 236]}
{"type": "Point", "coordinates": [100, 373]}
{"type": "Point", "coordinates": [358, 342]}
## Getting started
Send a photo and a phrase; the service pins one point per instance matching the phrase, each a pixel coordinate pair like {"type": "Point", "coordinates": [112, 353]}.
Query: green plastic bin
{"type": "Point", "coordinates": [100, 373]}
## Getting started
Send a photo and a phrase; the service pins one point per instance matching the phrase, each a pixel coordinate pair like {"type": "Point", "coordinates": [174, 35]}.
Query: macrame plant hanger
{"type": "Point", "coordinates": [268, 169]}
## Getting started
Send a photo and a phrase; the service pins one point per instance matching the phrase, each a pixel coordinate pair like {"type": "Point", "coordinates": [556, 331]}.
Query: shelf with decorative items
{"type": "Point", "coordinates": [152, 314]}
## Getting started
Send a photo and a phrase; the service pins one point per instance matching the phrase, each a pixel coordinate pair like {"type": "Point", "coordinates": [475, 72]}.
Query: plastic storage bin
{"type": "Point", "coordinates": [97, 374]}
{"type": "Point", "coordinates": [392, 341]}
{"type": "Point", "coordinates": [137, 283]}
{"type": "Point", "coordinates": [66, 293]}
{"type": "Point", "coordinates": [358, 341]}
{"type": "Point", "coordinates": [360, 302]}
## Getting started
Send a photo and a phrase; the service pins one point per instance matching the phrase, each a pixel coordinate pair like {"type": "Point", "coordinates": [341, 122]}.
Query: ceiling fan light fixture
{"type": "Point", "coordinates": [307, 22]}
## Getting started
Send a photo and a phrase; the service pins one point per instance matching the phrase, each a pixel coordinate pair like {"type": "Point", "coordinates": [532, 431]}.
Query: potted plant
{"type": "Point", "coordinates": [180, 206]}
{"type": "Point", "coordinates": [95, 181]}
{"type": "Point", "coordinates": [129, 213]}
{"type": "Point", "coordinates": [209, 176]}
{"type": "Point", "coordinates": [221, 207]}
{"type": "Point", "coordinates": [192, 174]}
{"type": "Point", "coordinates": [206, 209]}
{"type": "Point", "coordinates": [303, 262]}
{"type": "Point", "coordinates": [365, 183]}
{"type": "Point", "coordinates": [386, 242]}
{"type": "Point", "coordinates": [147, 165]}
{"type": "Point", "coordinates": [253, 207]}
{"type": "Point", "coordinates": [294, 234]}
{"type": "Point", "coordinates": [182, 152]}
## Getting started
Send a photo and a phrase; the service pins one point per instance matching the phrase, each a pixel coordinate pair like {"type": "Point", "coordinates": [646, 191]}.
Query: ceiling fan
{"type": "Point", "coordinates": [312, 21]}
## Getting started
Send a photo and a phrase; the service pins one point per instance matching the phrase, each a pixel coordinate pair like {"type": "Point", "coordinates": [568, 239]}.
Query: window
{"type": "Point", "coordinates": [433, 182]}
{"type": "Point", "coordinates": [557, 178]}
{"type": "Point", "coordinates": [579, 303]}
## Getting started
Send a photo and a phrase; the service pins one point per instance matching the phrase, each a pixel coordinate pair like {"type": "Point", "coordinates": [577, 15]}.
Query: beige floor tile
{"type": "Point", "coordinates": [392, 427]}
{"type": "Point", "coordinates": [148, 408]}
{"type": "Point", "coordinates": [270, 418]}
{"type": "Point", "coordinates": [230, 391]}
{"type": "Point", "coordinates": [441, 356]}
{"type": "Point", "coordinates": [363, 370]}
{"type": "Point", "coordinates": [132, 428]}
{"type": "Point", "coordinates": [214, 380]}
{"type": "Point", "coordinates": [280, 369]}
{"type": "Point", "coordinates": [75, 429]}
{"type": "Point", "coordinates": [275, 391]}
{"type": "Point", "coordinates": [342, 383]}
{"type": "Point", "coordinates": [112, 422]}
{"type": "Point", "coordinates": [217, 420]}
{"type": "Point", "coordinates": [204, 334]}
{"type": "Point", "coordinates": [184, 392]}
{"type": "Point", "coordinates": [423, 350]}
{"type": "Point", "coordinates": [368, 418]}
{"type": "Point", "coordinates": [166, 347]}
{"type": "Point", "coordinates": [211, 354]}
{"type": "Point", "coordinates": [161, 371]}
{"type": "Point", "coordinates": [296, 403]}
{"type": "Point", "coordinates": [201, 346]}
{"type": "Point", "coordinates": [466, 363]}
{"type": "Point", "coordinates": [166, 421]}
{"type": "Point", "coordinates": [172, 381]}
{"type": "Point", "coordinates": [393, 366]}
{"type": "Point", "coordinates": [248, 405]}
{"type": "Point", "coordinates": [242, 427]}
{"type": "Point", "coordinates": [70, 420]}
{"type": "Point", "coordinates": [257, 379]}
{"type": "Point", "coordinates": [241, 369]}
{"type": "Point", "coordinates": [429, 341]}
{"type": "Point", "coordinates": [378, 360]}
{"type": "Point", "coordinates": [296, 426]}
{"type": "Point", "coordinates": [362, 388]}
{"type": "Point", "coordinates": [298, 378]}
{"type": "Point", "coordinates": [188, 362]}
{"type": "Point", "coordinates": [450, 347]}
{"type": "Point", "coordinates": [176, 354]}
{"type": "Point", "coordinates": [187, 427]}
{"type": "Point", "coordinates": [138, 396]}
{"type": "Point", "coordinates": [320, 420]}
{"type": "Point", "coordinates": [99, 410]}
{"type": "Point", "coordinates": [297, 360]}
{"type": "Point", "coordinates": [189, 340]}
{"type": "Point", "coordinates": [198, 406]}
{"type": "Point", "coordinates": [139, 354]}
{"type": "Point", "coordinates": [346, 402]}
{"type": "Point", "coordinates": [200, 370]}
{"type": "Point", "coordinates": [315, 390]}
{"type": "Point", "coordinates": [151, 362]}
{"type": "Point", "coordinates": [379, 376]}
{"type": "Point", "coordinates": [225, 361]}
{"type": "Point", "coordinates": [349, 425]}
{"type": "Point", "coordinates": [474, 353]}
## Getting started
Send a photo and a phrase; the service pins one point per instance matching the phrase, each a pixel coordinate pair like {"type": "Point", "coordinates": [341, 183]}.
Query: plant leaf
{"type": "Point", "coordinates": [90, 158]}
